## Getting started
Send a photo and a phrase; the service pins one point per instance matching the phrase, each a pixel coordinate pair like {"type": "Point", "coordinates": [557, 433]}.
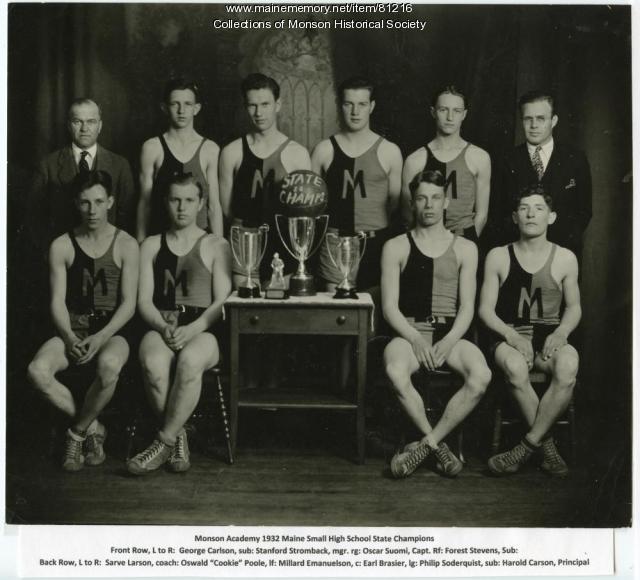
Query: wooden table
{"type": "Point", "coordinates": [309, 315]}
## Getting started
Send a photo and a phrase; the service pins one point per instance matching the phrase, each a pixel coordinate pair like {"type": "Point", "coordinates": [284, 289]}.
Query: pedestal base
{"type": "Point", "coordinates": [276, 293]}
{"type": "Point", "coordinates": [342, 293]}
{"type": "Point", "coordinates": [302, 286]}
{"type": "Point", "coordinates": [245, 292]}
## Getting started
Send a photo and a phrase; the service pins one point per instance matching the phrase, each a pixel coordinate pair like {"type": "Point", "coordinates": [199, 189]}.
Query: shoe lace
{"type": "Point", "coordinates": [417, 455]}
{"type": "Point", "coordinates": [551, 454]}
{"type": "Point", "coordinates": [73, 449]}
{"type": "Point", "coordinates": [444, 457]}
{"type": "Point", "coordinates": [517, 454]}
{"type": "Point", "coordinates": [152, 451]}
{"type": "Point", "coordinates": [179, 449]}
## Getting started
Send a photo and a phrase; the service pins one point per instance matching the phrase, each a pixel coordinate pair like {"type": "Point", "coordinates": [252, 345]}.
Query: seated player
{"type": "Point", "coordinates": [524, 287]}
{"type": "Point", "coordinates": [94, 276]}
{"type": "Point", "coordinates": [185, 277]}
{"type": "Point", "coordinates": [428, 292]}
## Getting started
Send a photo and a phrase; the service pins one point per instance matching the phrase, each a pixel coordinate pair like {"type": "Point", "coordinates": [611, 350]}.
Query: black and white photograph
{"type": "Point", "coordinates": [345, 265]}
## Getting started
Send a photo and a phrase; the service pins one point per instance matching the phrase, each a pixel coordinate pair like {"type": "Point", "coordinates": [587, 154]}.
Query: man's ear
{"type": "Point", "coordinates": [196, 109]}
{"type": "Point", "coordinates": [553, 216]}
{"type": "Point", "coordinates": [554, 121]}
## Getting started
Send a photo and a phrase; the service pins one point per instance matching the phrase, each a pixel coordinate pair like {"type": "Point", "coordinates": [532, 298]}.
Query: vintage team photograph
{"type": "Point", "coordinates": [319, 265]}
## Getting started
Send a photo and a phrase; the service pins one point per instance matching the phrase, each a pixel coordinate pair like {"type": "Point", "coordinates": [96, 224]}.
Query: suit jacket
{"type": "Point", "coordinates": [51, 208]}
{"type": "Point", "coordinates": [568, 181]}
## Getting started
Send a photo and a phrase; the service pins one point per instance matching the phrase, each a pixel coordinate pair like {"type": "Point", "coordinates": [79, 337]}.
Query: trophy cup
{"type": "Point", "coordinates": [303, 197]}
{"type": "Point", "coordinates": [348, 252]}
{"type": "Point", "coordinates": [248, 247]}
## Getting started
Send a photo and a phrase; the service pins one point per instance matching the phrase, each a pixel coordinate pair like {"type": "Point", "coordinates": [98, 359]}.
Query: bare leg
{"type": "Point", "coordinates": [156, 359]}
{"type": "Point", "coordinates": [466, 359]}
{"type": "Point", "coordinates": [111, 358]}
{"type": "Point", "coordinates": [200, 354]}
{"type": "Point", "coordinates": [50, 360]}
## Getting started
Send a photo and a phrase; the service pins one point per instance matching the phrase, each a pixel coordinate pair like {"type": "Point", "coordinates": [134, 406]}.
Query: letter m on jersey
{"type": "Point", "coordinates": [261, 182]}
{"type": "Point", "coordinates": [528, 302]}
{"type": "Point", "coordinates": [90, 281]}
{"type": "Point", "coordinates": [171, 283]}
{"type": "Point", "coordinates": [349, 184]}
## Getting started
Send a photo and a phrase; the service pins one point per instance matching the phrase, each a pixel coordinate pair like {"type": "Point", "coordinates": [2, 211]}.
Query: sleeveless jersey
{"type": "Point", "coordinates": [255, 186]}
{"type": "Point", "coordinates": [529, 299]}
{"type": "Point", "coordinates": [93, 283]}
{"type": "Point", "coordinates": [460, 188]}
{"type": "Point", "coordinates": [429, 286]}
{"type": "Point", "coordinates": [181, 280]}
{"type": "Point", "coordinates": [159, 220]}
{"type": "Point", "coordinates": [358, 191]}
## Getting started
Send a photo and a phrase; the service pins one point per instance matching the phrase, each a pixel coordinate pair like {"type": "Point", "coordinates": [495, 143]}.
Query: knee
{"type": "Point", "coordinates": [516, 370]}
{"type": "Point", "coordinates": [478, 380]}
{"type": "Point", "coordinates": [39, 374]}
{"type": "Point", "coordinates": [108, 368]}
{"type": "Point", "coordinates": [565, 369]}
{"type": "Point", "coordinates": [188, 367]}
{"type": "Point", "coordinates": [398, 375]}
{"type": "Point", "coordinates": [154, 369]}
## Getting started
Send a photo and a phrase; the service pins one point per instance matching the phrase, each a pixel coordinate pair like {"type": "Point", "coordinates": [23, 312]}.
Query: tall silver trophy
{"type": "Point", "coordinates": [303, 198]}
{"type": "Point", "coordinates": [248, 246]}
{"type": "Point", "coordinates": [345, 253]}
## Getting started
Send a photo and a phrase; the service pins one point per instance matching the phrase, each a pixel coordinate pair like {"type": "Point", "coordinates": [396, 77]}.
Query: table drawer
{"type": "Point", "coordinates": [298, 320]}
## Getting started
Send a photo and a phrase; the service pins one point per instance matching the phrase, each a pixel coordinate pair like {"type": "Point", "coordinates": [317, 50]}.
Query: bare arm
{"type": "Point", "coordinates": [322, 157]}
{"type": "Point", "coordinates": [214, 210]}
{"type": "Point", "coordinates": [59, 256]}
{"type": "Point", "coordinates": [393, 164]}
{"type": "Point", "coordinates": [230, 159]}
{"type": "Point", "coordinates": [295, 157]}
{"type": "Point", "coordinates": [150, 314]}
{"type": "Point", "coordinates": [483, 189]}
{"type": "Point", "coordinates": [148, 158]}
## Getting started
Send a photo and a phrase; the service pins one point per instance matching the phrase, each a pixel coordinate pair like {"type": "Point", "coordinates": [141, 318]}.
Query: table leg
{"type": "Point", "coordinates": [234, 381]}
{"type": "Point", "coordinates": [362, 377]}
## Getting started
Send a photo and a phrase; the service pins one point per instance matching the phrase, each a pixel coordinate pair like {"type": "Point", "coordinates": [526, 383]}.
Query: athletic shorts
{"type": "Point", "coordinates": [432, 332]}
{"type": "Point", "coordinates": [536, 333]}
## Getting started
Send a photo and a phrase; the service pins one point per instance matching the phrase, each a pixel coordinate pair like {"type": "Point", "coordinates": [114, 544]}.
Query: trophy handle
{"type": "Point", "coordinates": [282, 239]}
{"type": "Point", "coordinates": [264, 228]}
{"type": "Point", "coordinates": [235, 229]}
{"type": "Point", "coordinates": [326, 241]}
{"type": "Point", "coordinates": [324, 231]}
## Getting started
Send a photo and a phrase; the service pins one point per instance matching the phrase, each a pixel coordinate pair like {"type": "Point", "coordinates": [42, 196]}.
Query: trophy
{"type": "Point", "coordinates": [345, 253]}
{"type": "Point", "coordinates": [303, 196]}
{"type": "Point", "coordinates": [248, 247]}
{"type": "Point", "coordinates": [277, 287]}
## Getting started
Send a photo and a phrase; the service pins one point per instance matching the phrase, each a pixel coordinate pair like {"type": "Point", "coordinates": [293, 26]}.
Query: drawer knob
{"type": "Point", "coordinates": [341, 320]}
{"type": "Point", "coordinates": [254, 319]}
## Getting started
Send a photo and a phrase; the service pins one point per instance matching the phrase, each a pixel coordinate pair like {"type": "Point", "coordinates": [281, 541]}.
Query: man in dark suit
{"type": "Point", "coordinates": [51, 210]}
{"type": "Point", "coordinates": [563, 170]}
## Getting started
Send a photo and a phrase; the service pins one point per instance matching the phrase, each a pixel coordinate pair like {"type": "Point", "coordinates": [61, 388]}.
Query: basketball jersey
{"type": "Point", "coordinates": [460, 189]}
{"type": "Point", "coordinates": [181, 280]}
{"type": "Point", "coordinates": [529, 298]}
{"type": "Point", "coordinates": [429, 286]}
{"type": "Point", "coordinates": [93, 283]}
{"type": "Point", "coordinates": [171, 166]}
{"type": "Point", "coordinates": [254, 193]}
{"type": "Point", "coordinates": [358, 191]}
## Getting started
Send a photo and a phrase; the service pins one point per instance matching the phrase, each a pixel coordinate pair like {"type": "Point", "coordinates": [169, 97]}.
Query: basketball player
{"type": "Point", "coordinates": [252, 168]}
{"type": "Point", "coordinates": [467, 168]}
{"type": "Point", "coordinates": [181, 149]}
{"type": "Point", "coordinates": [363, 174]}
{"type": "Point", "coordinates": [428, 294]}
{"type": "Point", "coordinates": [524, 287]}
{"type": "Point", "coordinates": [94, 276]}
{"type": "Point", "coordinates": [184, 280]}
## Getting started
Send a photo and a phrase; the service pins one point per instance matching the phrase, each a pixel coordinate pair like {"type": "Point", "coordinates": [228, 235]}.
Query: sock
{"type": "Point", "coordinates": [529, 445]}
{"type": "Point", "coordinates": [77, 435]}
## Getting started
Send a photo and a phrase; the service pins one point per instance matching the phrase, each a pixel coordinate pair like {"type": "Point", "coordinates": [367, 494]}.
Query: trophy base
{"type": "Point", "coordinates": [244, 292]}
{"type": "Point", "coordinates": [276, 294]}
{"type": "Point", "coordinates": [302, 286]}
{"type": "Point", "coordinates": [342, 293]}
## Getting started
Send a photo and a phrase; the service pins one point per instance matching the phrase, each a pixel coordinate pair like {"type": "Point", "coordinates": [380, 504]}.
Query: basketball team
{"type": "Point", "coordinates": [423, 218]}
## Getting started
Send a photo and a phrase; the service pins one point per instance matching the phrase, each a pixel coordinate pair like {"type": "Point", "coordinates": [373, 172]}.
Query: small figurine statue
{"type": "Point", "coordinates": [277, 288]}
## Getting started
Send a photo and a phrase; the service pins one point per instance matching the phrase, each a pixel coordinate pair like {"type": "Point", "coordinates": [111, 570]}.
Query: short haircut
{"type": "Point", "coordinates": [87, 179]}
{"type": "Point", "coordinates": [180, 84]}
{"type": "Point", "coordinates": [528, 191]}
{"type": "Point", "coordinates": [179, 178]}
{"type": "Point", "coordinates": [355, 83]}
{"type": "Point", "coordinates": [434, 177]}
{"type": "Point", "coordinates": [257, 81]}
{"type": "Point", "coordinates": [534, 96]}
{"type": "Point", "coordinates": [83, 101]}
{"type": "Point", "coordinates": [449, 90]}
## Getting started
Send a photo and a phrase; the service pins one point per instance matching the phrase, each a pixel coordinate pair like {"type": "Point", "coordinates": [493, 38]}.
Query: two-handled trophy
{"type": "Point", "coordinates": [303, 198]}
{"type": "Point", "coordinates": [248, 246]}
{"type": "Point", "coordinates": [345, 253]}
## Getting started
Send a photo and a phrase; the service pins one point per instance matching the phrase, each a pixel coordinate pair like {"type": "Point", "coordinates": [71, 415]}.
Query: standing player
{"type": "Point", "coordinates": [466, 167]}
{"type": "Point", "coordinates": [428, 293]}
{"type": "Point", "coordinates": [180, 150]}
{"type": "Point", "coordinates": [252, 168]}
{"type": "Point", "coordinates": [94, 275]}
{"type": "Point", "coordinates": [363, 172]}
{"type": "Point", "coordinates": [184, 281]}
{"type": "Point", "coordinates": [525, 285]}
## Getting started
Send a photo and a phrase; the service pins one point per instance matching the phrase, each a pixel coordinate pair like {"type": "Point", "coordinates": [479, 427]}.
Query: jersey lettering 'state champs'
{"type": "Point", "coordinates": [170, 167]}
{"type": "Point", "coordinates": [460, 188]}
{"type": "Point", "coordinates": [93, 283]}
{"type": "Point", "coordinates": [181, 280]}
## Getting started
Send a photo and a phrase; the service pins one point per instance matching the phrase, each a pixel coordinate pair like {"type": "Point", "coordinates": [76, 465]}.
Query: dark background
{"type": "Point", "coordinates": [121, 55]}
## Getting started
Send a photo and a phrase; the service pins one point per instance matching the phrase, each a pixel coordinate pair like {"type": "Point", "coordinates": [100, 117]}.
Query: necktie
{"type": "Point", "coordinates": [84, 164]}
{"type": "Point", "coordinates": [537, 162]}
